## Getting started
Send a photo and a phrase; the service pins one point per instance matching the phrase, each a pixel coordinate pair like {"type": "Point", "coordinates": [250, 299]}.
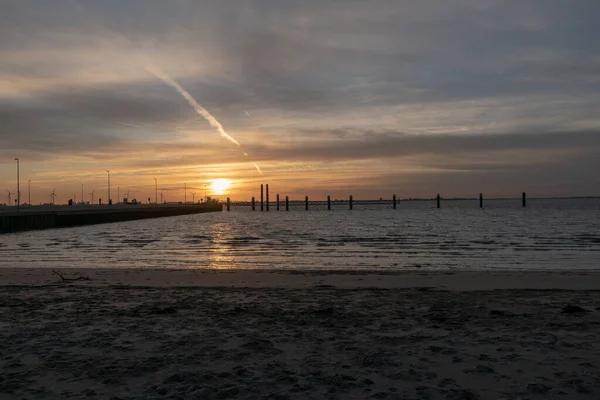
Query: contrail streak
{"type": "Point", "coordinates": [197, 107]}
{"type": "Point", "coordinates": [126, 124]}
{"type": "Point", "coordinates": [257, 167]}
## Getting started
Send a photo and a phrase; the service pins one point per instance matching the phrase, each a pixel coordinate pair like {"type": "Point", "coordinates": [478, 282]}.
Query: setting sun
{"type": "Point", "coordinates": [219, 186]}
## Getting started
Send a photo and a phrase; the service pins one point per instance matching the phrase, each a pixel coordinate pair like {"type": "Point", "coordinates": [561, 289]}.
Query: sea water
{"type": "Point", "coordinates": [562, 234]}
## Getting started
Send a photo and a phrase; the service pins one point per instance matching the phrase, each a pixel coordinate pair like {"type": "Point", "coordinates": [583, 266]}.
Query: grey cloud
{"type": "Point", "coordinates": [443, 152]}
{"type": "Point", "coordinates": [388, 145]}
{"type": "Point", "coordinates": [44, 137]}
{"type": "Point", "coordinates": [123, 103]}
{"type": "Point", "coordinates": [80, 119]}
{"type": "Point", "coordinates": [555, 178]}
{"type": "Point", "coordinates": [308, 54]}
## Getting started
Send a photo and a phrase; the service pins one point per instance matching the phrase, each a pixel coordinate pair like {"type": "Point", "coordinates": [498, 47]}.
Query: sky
{"type": "Point", "coordinates": [367, 98]}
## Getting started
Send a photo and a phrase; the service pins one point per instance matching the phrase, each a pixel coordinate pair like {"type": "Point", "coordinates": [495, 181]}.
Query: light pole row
{"type": "Point", "coordinates": [108, 175]}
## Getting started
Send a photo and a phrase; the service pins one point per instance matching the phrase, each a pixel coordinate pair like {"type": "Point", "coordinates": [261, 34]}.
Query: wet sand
{"type": "Point", "coordinates": [204, 334]}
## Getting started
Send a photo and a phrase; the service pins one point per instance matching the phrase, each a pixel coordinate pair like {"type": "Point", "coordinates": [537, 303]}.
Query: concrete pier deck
{"type": "Point", "coordinates": [47, 217]}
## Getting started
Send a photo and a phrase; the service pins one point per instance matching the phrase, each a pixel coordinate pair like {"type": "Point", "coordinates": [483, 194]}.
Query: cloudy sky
{"type": "Point", "coordinates": [327, 97]}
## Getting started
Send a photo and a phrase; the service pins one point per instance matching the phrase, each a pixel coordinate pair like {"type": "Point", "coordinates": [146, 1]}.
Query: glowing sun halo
{"type": "Point", "coordinates": [219, 186]}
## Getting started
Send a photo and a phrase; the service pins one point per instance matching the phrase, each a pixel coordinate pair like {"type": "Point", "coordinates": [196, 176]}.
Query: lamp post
{"type": "Point", "coordinates": [82, 201]}
{"type": "Point", "coordinates": [108, 172]}
{"type": "Point", "coordinates": [18, 186]}
{"type": "Point", "coordinates": [205, 192]}
{"type": "Point", "coordinates": [29, 192]}
{"type": "Point", "coordinates": [155, 191]}
{"type": "Point", "coordinates": [184, 193]}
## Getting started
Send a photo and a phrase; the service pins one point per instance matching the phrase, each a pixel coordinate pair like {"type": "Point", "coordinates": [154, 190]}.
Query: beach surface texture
{"type": "Point", "coordinates": [188, 334]}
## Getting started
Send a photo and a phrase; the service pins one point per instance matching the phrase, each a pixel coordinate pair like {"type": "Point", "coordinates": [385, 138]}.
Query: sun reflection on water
{"type": "Point", "coordinates": [219, 256]}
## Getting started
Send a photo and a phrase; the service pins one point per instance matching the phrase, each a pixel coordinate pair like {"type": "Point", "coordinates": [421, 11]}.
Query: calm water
{"type": "Point", "coordinates": [552, 234]}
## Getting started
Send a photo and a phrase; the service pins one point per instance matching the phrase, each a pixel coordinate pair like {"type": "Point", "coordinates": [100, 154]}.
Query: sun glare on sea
{"type": "Point", "coordinates": [220, 186]}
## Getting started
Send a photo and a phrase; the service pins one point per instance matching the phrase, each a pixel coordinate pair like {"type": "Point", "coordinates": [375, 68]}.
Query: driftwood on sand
{"type": "Point", "coordinates": [64, 279]}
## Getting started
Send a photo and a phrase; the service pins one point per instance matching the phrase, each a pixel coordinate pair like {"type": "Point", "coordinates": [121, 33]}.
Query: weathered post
{"type": "Point", "coordinates": [524, 199]}
{"type": "Point", "coordinates": [277, 201]}
{"type": "Point", "coordinates": [328, 202]}
{"type": "Point", "coordinates": [267, 197]}
{"type": "Point", "coordinates": [438, 201]}
{"type": "Point", "coordinates": [287, 203]}
{"type": "Point", "coordinates": [480, 200]}
{"type": "Point", "coordinates": [306, 202]}
{"type": "Point", "coordinates": [394, 201]}
{"type": "Point", "coordinates": [228, 204]}
{"type": "Point", "coordinates": [261, 198]}
{"type": "Point", "coordinates": [350, 202]}
{"type": "Point", "coordinates": [253, 204]}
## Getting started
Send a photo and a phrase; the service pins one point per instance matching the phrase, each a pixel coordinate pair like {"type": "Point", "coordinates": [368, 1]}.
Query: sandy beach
{"type": "Point", "coordinates": [145, 334]}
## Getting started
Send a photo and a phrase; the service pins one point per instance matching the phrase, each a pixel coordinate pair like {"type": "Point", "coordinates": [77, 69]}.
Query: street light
{"type": "Point", "coordinates": [205, 192]}
{"type": "Point", "coordinates": [155, 191]}
{"type": "Point", "coordinates": [108, 172]}
{"type": "Point", "coordinates": [29, 192]}
{"type": "Point", "coordinates": [18, 186]}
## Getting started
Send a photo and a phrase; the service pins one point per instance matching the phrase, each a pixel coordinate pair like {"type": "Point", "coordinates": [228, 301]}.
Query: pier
{"type": "Point", "coordinates": [47, 217]}
{"type": "Point", "coordinates": [393, 201]}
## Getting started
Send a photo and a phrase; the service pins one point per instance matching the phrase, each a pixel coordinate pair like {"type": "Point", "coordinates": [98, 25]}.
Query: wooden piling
{"type": "Point", "coordinates": [277, 201]}
{"type": "Point", "coordinates": [480, 200]}
{"type": "Point", "coordinates": [394, 201]}
{"type": "Point", "coordinates": [287, 203]}
{"type": "Point", "coordinates": [228, 204]}
{"type": "Point", "coordinates": [328, 202]}
{"type": "Point", "coordinates": [524, 199]}
{"type": "Point", "coordinates": [253, 204]}
{"type": "Point", "coordinates": [438, 201]}
{"type": "Point", "coordinates": [261, 198]}
{"type": "Point", "coordinates": [306, 202]}
{"type": "Point", "coordinates": [350, 202]}
{"type": "Point", "coordinates": [267, 197]}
